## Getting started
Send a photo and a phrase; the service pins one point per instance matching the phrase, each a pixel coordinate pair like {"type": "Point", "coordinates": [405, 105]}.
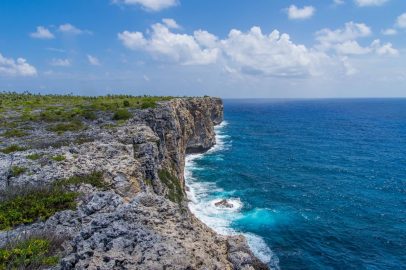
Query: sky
{"type": "Point", "coordinates": [226, 48]}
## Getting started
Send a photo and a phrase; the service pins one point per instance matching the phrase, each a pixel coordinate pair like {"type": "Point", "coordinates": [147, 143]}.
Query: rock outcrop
{"type": "Point", "coordinates": [141, 221]}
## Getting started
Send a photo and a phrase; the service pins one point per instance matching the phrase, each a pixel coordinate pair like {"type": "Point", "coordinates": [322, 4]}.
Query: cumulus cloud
{"type": "Point", "coordinates": [182, 48]}
{"type": "Point", "coordinates": [19, 67]}
{"type": "Point", "coordinates": [171, 23]}
{"type": "Point", "coordinates": [249, 52]}
{"type": "Point", "coordinates": [150, 5]}
{"type": "Point", "coordinates": [68, 28]}
{"type": "Point", "coordinates": [57, 62]}
{"type": "Point", "coordinates": [295, 13]}
{"type": "Point", "coordinates": [344, 41]}
{"type": "Point", "coordinates": [368, 3]}
{"type": "Point", "coordinates": [401, 21]}
{"type": "Point", "coordinates": [42, 33]}
{"type": "Point", "coordinates": [389, 32]}
{"type": "Point", "coordinates": [94, 61]}
{"type": "Point", "coordinates": [339, 2]}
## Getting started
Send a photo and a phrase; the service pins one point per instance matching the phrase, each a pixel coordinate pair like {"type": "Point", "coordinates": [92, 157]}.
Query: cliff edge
{"type": "Point", "coordinates": [135, 215]}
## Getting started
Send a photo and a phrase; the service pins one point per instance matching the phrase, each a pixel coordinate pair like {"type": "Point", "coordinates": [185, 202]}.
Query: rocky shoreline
{"type": "Point", "coordinates": [140, 220]}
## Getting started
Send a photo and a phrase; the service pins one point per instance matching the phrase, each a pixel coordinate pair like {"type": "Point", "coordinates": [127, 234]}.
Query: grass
{"type": "Point", "coordinates": [34, 252]}
{"type": "Point", "coordinates": [35, 156]}
{"type": "Point", "coordinates": [175, 193]}
{"type": "Point", "coordinates": [12, 133]}
{"type": "Point", "coordinates": [30, 204]}
{"type": "Point", "coordinates": [95, 179]}
{"type": "Point", "coordinates": [17, 170]}
{"type": "Point", "coordinates": [12, 148]}
{"type": "Point", "coordinates": [60, 128]}
{"type": "Point", "coordinates": [66, 108]}
{"type": "Point", "coordinates": [59, 158]}
{"type": "Point", "coordinates": [122, 114]}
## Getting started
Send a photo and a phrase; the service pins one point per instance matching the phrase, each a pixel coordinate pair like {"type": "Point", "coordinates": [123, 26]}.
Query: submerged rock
{"type": "Point", "coordinates": [224, 203]}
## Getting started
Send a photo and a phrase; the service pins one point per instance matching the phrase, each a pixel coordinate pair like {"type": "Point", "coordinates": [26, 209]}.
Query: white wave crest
{"type": "Point", "coordinates": [202, 204]}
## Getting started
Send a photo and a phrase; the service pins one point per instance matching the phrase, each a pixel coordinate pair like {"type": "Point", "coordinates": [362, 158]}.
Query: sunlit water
{"type": "Point", "coordinates": [316, 184]}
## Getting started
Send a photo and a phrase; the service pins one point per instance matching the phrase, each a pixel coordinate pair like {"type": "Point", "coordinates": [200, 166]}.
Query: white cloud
{"type": "Point", "coordinates": [60, 62]}
{"type": "Point", "coordinates": [68, 28]}
{"type": "Point", "coordinates": [368, 3]}
{"type": "Point", "coordinates": [250, 52]}
{"type": "Point", "coordinates": [182, 48]}
{"type": "Point", "coordinates": [339, 2]}
{"type": "Point", "coordinates": [401, 21]}
{"type": "Point", "coordinates": [94, 61]}
{"type": "Point", "coordinates": [42, 33]}
{"type": "Point", "coordinates": [295, 13]}
{"type": "Point", "coordinates": [19, 67]}
{"type": "Point", "coordinates": [273, 55]}
{"type": "Point", "coordinates": [389, 32]}
{"type": "Point", "coordinates": [350, 31]}
{"type": "Point", "coordinates": [385, 49]}
{"type": "Point", "coordinates": [171, 23]}
{"type": "Point", "coordinates": [344, 41]}
{"type": "Point", "coordinates": [151, 5]}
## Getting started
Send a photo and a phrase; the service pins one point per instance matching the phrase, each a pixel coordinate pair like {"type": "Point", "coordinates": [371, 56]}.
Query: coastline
{"type": "Point", "coordinates": [201, 201]}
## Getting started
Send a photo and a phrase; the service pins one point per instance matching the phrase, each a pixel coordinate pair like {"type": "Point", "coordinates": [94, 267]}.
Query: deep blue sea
{"type": "Point", "coordinates": [315, 184]}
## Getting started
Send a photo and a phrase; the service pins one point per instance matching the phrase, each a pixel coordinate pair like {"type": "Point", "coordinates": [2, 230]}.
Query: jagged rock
{"type": "Point", "coordinates": [132, 225]}
{"type": "Point", "coordinates": [224, 203]}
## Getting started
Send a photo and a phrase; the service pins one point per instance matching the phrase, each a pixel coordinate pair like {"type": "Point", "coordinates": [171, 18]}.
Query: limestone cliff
{"type": "Point", "coordinates": [141, 221]}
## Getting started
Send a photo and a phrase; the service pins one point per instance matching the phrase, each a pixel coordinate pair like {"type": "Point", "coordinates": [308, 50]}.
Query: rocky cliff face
{"type": "Point", "coordinates": [141, 220]}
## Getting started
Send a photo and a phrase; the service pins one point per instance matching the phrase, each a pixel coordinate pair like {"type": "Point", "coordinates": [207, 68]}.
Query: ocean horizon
{"type": "Point", "coordinates": [314, 183]}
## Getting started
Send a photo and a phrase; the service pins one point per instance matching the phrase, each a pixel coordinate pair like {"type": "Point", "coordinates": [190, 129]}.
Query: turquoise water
{"type": "Point", "coordinates": [315, 184]}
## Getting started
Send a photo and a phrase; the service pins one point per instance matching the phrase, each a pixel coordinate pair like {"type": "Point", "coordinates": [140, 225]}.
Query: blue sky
{"type": "Point", "coordinates": [240, 48]}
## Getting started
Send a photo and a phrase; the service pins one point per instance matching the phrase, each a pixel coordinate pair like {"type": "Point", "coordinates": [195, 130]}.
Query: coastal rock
{"type": "Point", "coordinates": [132, 224]}
{"type": "Point", "coordinates": [224, 203]}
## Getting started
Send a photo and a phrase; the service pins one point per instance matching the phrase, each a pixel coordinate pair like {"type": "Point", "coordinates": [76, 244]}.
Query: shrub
{"type": "Point", "coordinates": [89, 114]}
{"type": "Point", "coordinates": [30, 204]}
{"type": "Point", "coordinates": [59, 158]}
{"type": "Point", "coordinates": [34, 252]}
{"type": "Point", "coordinates": [95, 179]}
{"type": "Point", "coordinates": [12, 148]}
{"type": "Point", "coordinates": [35, 156]}
{"type": "Point", "coordinates": [148, 104]}
{"type": "Point", "coordinates": [16, 171]}
{"type": "Point", "coordinates": [14, 133]}
{"type": "Point", "coordinates": [122, 114]}
{"type": "Point", "coordinates": [75, 125]}
{"type": "Point", "coordinates": [175, 193]}
{"type": "Point", "coordinates": [126, 103]}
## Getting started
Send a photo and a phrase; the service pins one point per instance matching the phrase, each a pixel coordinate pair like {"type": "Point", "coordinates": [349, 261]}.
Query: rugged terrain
{"type": "Point", "coordinates": [138, 217]}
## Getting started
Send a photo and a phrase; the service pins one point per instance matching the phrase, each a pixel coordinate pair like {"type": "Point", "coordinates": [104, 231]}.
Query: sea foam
{"type": "Point", "coordinates": [202, 201]}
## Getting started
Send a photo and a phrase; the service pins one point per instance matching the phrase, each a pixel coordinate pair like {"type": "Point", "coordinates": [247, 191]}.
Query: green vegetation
{"type": "Point", "coordinates": [34, 252]}
{"type": "Point", "coordinates": [175, 193]}
{"type": "Point", "coordinates": [122, 114]}
{"type": "Point", "coordinates": [12, 148]}
{"type": "Point", "coordinates": [17, 170]}
{"type": "Point", "coordinates": [59, 158]}
{"type": "Point", "coordinates": [31, 204]}
{"type": "Point", "coordinates": [95, 179]}
{"type": "Point", "coordinates": [14, 133]}
{"type": "Point", "coordinates": [60, 128]}
{"type": "Point", "coordinates": [34, 156]}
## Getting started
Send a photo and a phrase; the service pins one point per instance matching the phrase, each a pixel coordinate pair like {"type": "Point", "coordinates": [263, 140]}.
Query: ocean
{"type": "Point", "coordinates": [314, 184]}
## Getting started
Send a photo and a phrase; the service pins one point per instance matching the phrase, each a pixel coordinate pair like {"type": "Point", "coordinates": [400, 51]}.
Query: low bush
{"type": "Point", "coordinates": [34, 252]}
{"type": "Point", "coordinates": [95, 179]}
{"type": "Point", "coordinates": [17, 170]}
{"type": "Point", "coordinates": [12, 148]}
{"type": "Point", "coordinates": [30, 204]}
{"type": "Point", "coordinates": [11, 133]}
{"type": "Point", "coordinates": [122, 114]}
{"type": "Point", "coordinates": [70, 126]}
{"type": "Point", "coordinates": [59, 158]}
{"type": "Point", "coordinates": [35, 156]}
